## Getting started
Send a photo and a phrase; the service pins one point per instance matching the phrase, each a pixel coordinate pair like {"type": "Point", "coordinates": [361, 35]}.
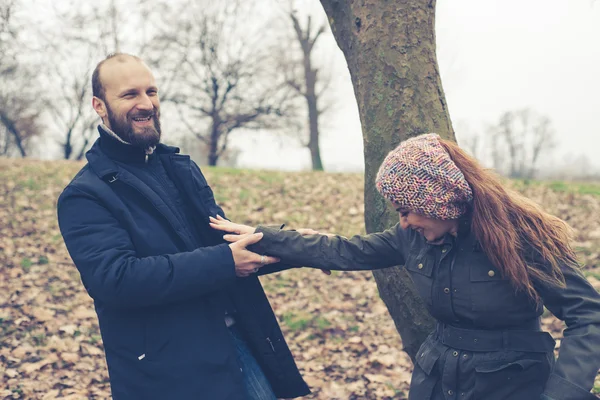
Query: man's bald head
{"type": "Point", "coordinates": [97, 84]}
{"type": "Point", "coordinates": [126, 98]}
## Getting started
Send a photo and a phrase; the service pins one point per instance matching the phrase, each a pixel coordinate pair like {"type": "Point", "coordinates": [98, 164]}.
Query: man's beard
{"type": "Point", "coordinates": [145, 137]}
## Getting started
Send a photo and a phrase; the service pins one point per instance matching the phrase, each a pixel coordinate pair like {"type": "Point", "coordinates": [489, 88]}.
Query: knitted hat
{"type": "Point", "coordinates": [420, 176]}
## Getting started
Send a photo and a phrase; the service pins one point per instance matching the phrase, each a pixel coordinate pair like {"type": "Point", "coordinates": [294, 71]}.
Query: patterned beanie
{"type": "Point", "coordinates": [420, 176]}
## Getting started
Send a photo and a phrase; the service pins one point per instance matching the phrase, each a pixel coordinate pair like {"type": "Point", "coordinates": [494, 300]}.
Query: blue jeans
{"type": "Point", "coordinates": [255, 381]}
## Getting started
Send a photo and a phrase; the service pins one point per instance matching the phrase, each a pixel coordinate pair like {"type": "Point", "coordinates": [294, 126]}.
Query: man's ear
{"type": "Point", "coordinates": [99, 107]}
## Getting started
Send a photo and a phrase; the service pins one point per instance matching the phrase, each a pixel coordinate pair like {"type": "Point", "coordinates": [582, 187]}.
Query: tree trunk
{"type": "Point", "coordinates": [213, 143]}
{"type": "Point", "coordinates": [11, 126]}
{"type": "Point", "coordinates": [390, 50]}
{"type": "Point", "coordinates": [313, 119]}
{"type": "Point", "coordinates": [67, 147]}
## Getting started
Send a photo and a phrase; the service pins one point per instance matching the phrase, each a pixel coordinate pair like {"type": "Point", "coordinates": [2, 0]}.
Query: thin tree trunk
{"type": "Point", "coordinates": [390, 50]}
{"type": "Point", "coordinates": [213, 154]}
{"type": "Point", "coordinates": [12, 128]}
{"type": "Point", "coordinates": [313, 118]}
{"type": "Point", "coordinates": [67, 147]}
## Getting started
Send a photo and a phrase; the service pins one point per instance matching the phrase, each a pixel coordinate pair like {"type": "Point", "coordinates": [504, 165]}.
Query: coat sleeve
{"type": "Point", "coordinates": [112, 272]}
{"type": "Point", "coordinates": [578, 304]}
{"type": "Point", "coordinates": [374, 251]}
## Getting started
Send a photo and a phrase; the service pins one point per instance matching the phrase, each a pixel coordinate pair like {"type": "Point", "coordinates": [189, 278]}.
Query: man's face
{"type": "Point", "coordinates": [131, 107]}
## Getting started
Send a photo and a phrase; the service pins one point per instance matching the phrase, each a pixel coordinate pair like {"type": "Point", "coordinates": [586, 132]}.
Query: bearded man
{"type": "Point", "coordinates": [182, 313]}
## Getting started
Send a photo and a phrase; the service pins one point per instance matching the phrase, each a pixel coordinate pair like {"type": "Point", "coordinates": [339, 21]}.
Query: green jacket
{"type": "Point", "coordinates": [507, 355]}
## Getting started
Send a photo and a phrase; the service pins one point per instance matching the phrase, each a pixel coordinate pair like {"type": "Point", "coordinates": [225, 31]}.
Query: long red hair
{"type": "Point", "coordinates": [523, 241]}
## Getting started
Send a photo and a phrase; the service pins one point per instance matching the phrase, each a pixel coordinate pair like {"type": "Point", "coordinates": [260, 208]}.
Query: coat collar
{"type": "Point", "coordinates": [107, 149]}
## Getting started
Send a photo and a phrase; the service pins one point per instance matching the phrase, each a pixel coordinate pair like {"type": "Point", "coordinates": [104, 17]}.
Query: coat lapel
{"type": "Point", "coordinates": [111, 173]}
{"type": "Point", "coordinates": [190, 181]}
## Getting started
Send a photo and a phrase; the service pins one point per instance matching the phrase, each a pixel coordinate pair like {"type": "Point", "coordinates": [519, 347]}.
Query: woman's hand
{"type": "Point", "coordinates": [221, 224]}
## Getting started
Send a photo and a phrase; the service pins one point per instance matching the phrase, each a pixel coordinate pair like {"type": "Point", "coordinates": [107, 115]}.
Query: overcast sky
{"type": "Point", "coordinates": [494, 56]}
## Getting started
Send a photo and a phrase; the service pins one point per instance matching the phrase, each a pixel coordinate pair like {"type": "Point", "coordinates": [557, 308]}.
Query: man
{"type": "Point", "coordinates": [182, 313]}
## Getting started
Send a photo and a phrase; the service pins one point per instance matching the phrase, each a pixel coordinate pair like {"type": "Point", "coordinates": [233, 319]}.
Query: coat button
{"type": "Point", "coordinates": [420, 266]}
{"type": "Point", "coordinates": [455, 353]}
{"type": "Point", "coordinates": [450, 392]}
{"type": "Point", "coordinates": [444, 250]}
{"type": "Point", "coordinates": [491, 272]}
{"type": "Point", "coordinates": [446, 290]}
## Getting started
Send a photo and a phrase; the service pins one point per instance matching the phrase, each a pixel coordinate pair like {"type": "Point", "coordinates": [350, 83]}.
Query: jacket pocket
{"type": "Point", "coordinates": [522, 379]}
{"type": "Point", "coordinates": [492, 296]}
{"type": "Point", "coordinates": [420, 268]}
{"type": "Point", "coordinates": [428, 355]}
{"type": "Point", "coordinates": [424, 377]}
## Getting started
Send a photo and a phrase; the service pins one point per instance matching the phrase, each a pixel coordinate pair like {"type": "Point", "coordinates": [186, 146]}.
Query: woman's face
{"type": "Point", "coordinates": [433, 229]}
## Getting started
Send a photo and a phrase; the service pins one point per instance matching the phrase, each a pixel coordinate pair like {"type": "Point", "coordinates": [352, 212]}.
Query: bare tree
{"type": "Point", "coordinates": [520, 137]}
{"type": "Point", "coordinates": [70, 110]}
{"type": "Point", "coordinates": [302, 76]}
{"type": "Point", "coordinates": [217, 75]}
{"type": "Point", "coordinates": [19, 109]}
{"type": "Point", "coordinates": [469, 140]}
{"type": "Point", "coordinates": [93, 31]}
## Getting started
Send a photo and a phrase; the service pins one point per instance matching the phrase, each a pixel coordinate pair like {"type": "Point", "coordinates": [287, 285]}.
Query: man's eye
{"type": "Point", "coordinates": [404, 213]}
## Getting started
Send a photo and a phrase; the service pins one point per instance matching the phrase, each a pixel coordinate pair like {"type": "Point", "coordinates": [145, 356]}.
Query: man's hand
{"type": "Point", "coordinates": [239, 237]}
{"type": "Point", "coordinates": [247, 262]}
{"type": "Point", "coordinates": [221, 224]}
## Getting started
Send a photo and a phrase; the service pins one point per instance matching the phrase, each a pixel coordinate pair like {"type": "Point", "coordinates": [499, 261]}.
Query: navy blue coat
{"type": "Point", "coordinates": [155, 290]}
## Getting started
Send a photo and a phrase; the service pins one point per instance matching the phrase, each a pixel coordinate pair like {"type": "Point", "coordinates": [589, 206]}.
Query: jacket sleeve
{"type": "Point", "coordinates": [578, 304]}
{"type": "Point", "coordinates": [374, 251]}
{"type": "Point", "coordinates": [112, 272]}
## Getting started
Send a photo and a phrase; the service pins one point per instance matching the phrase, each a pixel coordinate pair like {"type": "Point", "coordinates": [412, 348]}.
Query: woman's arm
{"type": "Point", "coordinates": [374, 251]}
{"type": "Point", "coordinates": [324, 251]}
{"type": "Point", "coordinates": [578, 304]}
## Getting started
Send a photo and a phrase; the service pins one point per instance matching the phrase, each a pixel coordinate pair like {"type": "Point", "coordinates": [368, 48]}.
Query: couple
{"type": "Point", "coordinates": [182, 312]}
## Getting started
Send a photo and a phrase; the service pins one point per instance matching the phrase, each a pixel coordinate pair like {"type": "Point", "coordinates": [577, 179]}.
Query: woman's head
{"type": "Point", "coordinates": [435, 178]}
{"type": "Point", "coordinates": [420, 176]}
{"type": "Point", "coordinates": [432, 229]}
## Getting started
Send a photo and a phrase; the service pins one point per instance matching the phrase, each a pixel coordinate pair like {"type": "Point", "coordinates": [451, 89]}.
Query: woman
{"type": "Point", "coordinates": [485, 260]}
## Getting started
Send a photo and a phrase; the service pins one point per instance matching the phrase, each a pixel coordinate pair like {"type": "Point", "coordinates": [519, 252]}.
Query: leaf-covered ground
{"type": "Point", "coordinates": [338, 328]}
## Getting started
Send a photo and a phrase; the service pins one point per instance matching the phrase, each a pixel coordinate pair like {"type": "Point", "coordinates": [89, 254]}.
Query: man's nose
{"type": "Point", "coordinates": [145, 103]}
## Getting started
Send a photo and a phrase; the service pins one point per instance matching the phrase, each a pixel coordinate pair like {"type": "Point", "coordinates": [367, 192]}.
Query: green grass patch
{"type": "Point", "coordinates": [94, 339]}
{"type": "Point", "coordinates": [592, 273]}
{"type": "Point", "coordinates": [26, 264]}
{"type": "Point", "coordinates": [244, 194]}
{"type": "Point", "coordinates": [592, 188]}
{"type": "Point", "coordinates": [576, 187]}
{"type": "Point", "coordinates": [39, 339]}
{"type": "Point", "coordinates": [30, 184]}
{"type": "Point", "coordinates": [300, 321]}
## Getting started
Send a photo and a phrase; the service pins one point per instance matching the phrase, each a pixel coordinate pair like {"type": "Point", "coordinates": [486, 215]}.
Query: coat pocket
{"type": "Point", "coordinates": [492, 296]}
{"type": "Point", "coordinates": [420, 267]}
{"type": "Point", "coordinates": [424, 377]}
{"type": "Point", "coordinates": [428, 355]}
{"type": "Point", "coordinates": [522, 379]}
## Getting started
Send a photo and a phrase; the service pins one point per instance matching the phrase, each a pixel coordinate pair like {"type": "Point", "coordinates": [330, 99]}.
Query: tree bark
{"type": "Point", "coordinates": [390, 50]}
